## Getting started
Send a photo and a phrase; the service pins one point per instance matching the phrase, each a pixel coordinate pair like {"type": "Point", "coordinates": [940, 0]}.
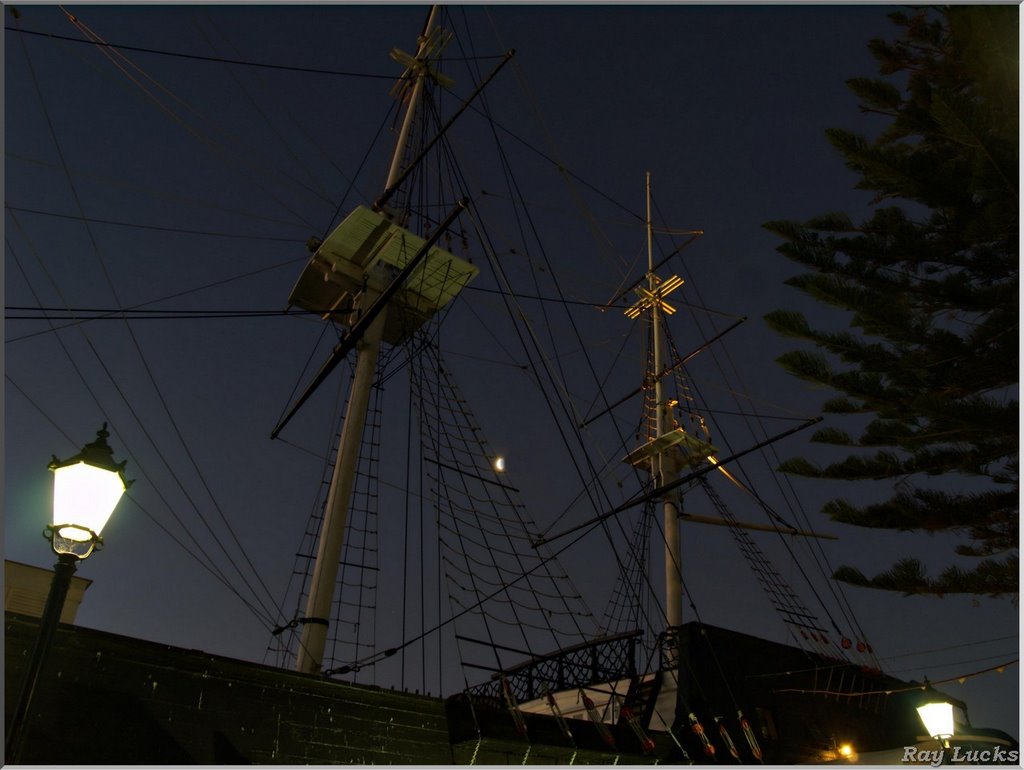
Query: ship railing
{"type": "Point", "coordinates": [593, 662]}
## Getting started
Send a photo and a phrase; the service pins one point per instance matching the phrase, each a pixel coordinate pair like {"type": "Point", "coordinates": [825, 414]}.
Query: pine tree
{"type": "Point", "coordinates": [928, 284]}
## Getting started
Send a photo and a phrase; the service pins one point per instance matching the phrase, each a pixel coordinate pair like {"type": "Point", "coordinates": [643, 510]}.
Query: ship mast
{"type": "Point", "coordinates": [661, 468]}
{"type": "Point", "coordinates": [339, 495]}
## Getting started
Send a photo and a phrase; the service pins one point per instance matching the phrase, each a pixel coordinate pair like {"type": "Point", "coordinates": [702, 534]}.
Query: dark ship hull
{"type": "Point", "coordinates": [114, 700]}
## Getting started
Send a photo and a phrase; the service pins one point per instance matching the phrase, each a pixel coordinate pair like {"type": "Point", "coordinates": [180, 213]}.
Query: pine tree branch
{"type": "Point", "coordinates": [931, 300]}
{"type": "Point", "coordinates": [908, 576]}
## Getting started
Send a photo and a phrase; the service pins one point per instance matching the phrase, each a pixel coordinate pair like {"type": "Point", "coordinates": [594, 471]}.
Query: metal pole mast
{"type": "Point", "coordinates": [414, 99]}
{"type": "Point", "coordinates": [660, 468]}
{"type": "Point", "coordinates": [339, 496]}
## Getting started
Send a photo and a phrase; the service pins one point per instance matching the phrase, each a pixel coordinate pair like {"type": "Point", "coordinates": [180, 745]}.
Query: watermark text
{"type": "Point", "coordinates": [958, 754]}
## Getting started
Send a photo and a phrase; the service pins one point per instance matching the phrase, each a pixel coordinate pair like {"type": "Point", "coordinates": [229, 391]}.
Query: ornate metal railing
{"type": "Point", "coordinates": [606, 659]}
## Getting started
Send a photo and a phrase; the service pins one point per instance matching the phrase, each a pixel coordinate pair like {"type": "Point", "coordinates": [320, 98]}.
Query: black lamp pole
{"type": "Point", "coordinates": [72, 542]}
{"type": "Point", "coordinates": [62, 571]}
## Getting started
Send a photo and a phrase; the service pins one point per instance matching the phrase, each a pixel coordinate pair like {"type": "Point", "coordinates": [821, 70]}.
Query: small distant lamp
{"type": "Point", "coordinates": [86, 489]}
{"type": "Point", "coordinates": [938, 720]}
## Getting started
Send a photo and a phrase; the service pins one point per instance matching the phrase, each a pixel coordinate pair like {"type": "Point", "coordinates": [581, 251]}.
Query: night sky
{"type": "Point", "coordinates": [203, 181]}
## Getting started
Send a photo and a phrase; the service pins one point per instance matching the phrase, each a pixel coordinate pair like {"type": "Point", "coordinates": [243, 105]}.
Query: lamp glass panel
{"type": "Point", "coordinates": [937, 718]}
{"type": "Point", "coordinates": [84, 495]}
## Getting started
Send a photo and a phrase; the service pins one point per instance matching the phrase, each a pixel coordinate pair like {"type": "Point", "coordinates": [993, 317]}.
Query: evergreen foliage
{"type": "Point", "coordinates": [930, 286]}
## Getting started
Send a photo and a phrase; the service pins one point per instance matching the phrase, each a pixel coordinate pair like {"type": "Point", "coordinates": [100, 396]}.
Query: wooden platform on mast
{"type": "Point", "coordinates": [694, 451]}
{"type": "Point", "coordinates": [344, 263]}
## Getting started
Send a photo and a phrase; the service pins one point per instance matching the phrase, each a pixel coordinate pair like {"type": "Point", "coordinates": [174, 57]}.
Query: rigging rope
{"type": "Point", "coordinates": [320, 192]}
{"type": "Point", "coordinates": [234, 147]}
{"type": "Point", "coordinates": [815, 548]}
{"type": "Point", "coordinates": [910, 688]}
{"type": "Point", "coordinates": [159, 193]}
{"type": "Point", "coordinates": [782, 597]}
{"type": "Point", "coordinates": [175, 295]}
{"type": "Point", "coordinates": [216, 59]}
{"type": "Point", "coordinates": [207, 565]}
{"type": "Point", "coordinates": [265, 615]}
{"type": "Point", "coordinates": [355, 636]}
{"type": "Point", "coordinates": [486, 519]}
{"type": "Point", "coordinates": [286, 649]}
{"type": "Point", "coordinates": [183, 230]}
{"type": "Point", "coordinates": [562, 396]}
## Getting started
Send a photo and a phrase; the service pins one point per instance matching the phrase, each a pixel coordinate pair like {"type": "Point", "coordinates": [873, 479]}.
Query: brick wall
{"type": "Point", "coordinates": [107, 699]}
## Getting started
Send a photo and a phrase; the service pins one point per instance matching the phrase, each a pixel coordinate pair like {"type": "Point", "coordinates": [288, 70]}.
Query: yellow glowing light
{"type": "Point", "coordinates": [499, 464]}
{"type": "Point", "coordinates": [655, 298]}
{"type": "Point", "coordinates": [846, 750]}
{"type": "Point", "coordinates": [937, 718]}
{"type": "Point", "coordinates": [85, 496]}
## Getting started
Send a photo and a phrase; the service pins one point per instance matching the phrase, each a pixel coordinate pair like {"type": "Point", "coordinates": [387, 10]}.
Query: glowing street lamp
{"type": "Point", "coordinates": [86, 489]}
{"type": "Point", "coordinates": [937, 717]}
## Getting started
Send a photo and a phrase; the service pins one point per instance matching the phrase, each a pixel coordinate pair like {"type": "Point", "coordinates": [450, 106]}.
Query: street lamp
{"type": "Point", "coordinates": [86, 489]}
{"type": "Point", "coordinates": [937, 717]}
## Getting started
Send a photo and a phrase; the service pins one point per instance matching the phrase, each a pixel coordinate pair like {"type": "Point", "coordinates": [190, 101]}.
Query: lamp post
{"type": "Point", "coordinates": [86, 489]}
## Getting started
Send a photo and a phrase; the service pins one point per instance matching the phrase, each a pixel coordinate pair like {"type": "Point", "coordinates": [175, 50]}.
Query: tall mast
{"type": "Point", "coordinates": [661, 470]}
{"type": "Point", "coordinates": [339, 495]}
{"type": "Point", "coordinates": [414, 100]}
